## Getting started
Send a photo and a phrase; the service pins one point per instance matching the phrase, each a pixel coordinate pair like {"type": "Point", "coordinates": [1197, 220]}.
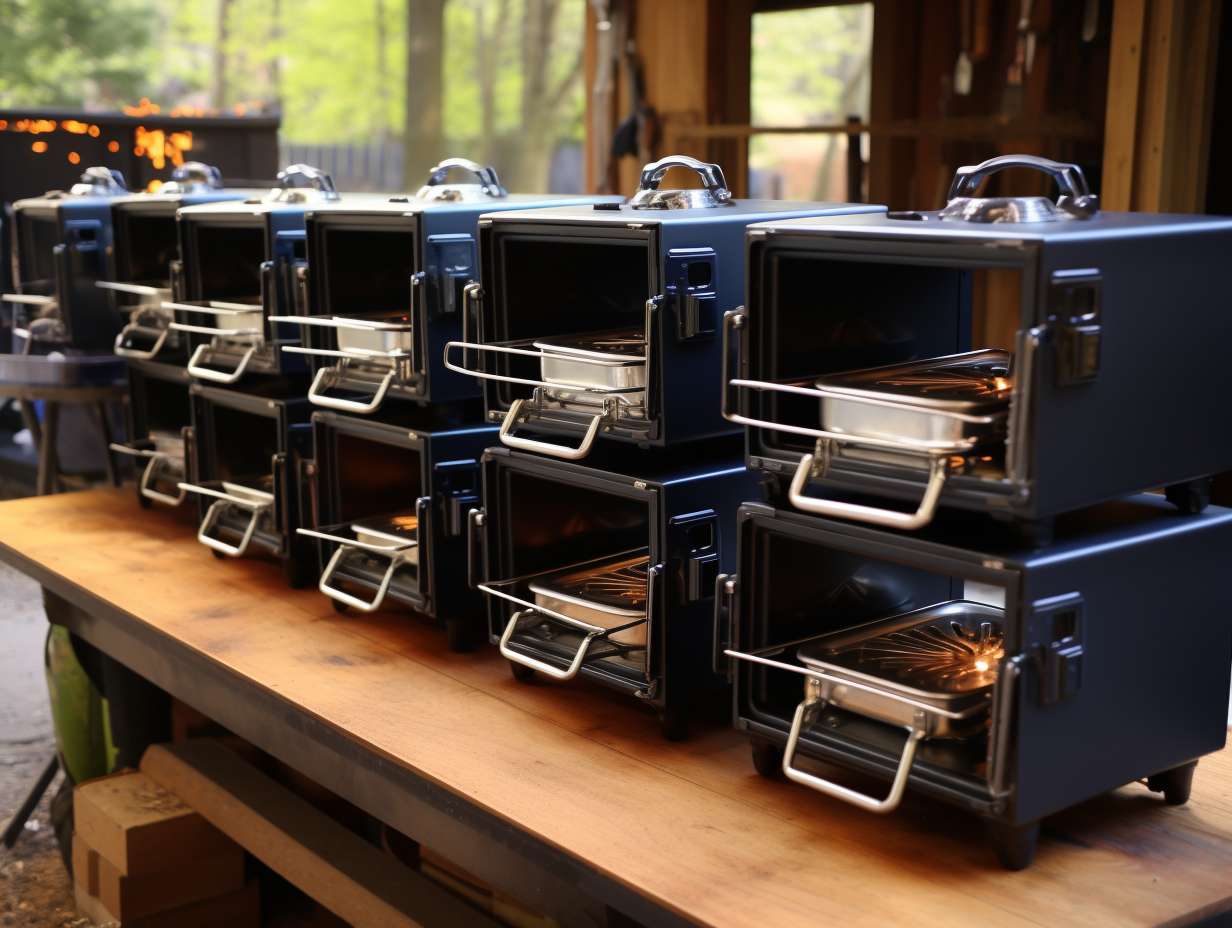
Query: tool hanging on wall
{"type": "Point", "coordinates": [638, 133]}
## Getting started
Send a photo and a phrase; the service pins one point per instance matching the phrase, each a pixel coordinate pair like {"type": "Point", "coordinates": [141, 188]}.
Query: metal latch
{"type": "Point", "coordinates": [1056, 626]}
{"type": "Point", "coordinates": [691, 289]}
{"type": "Point", "coordinates": [457, 483]}
{"type": "Point", "coordinates": [1075, 313]}
{"type": "Point", "coordinates": [695, 546]}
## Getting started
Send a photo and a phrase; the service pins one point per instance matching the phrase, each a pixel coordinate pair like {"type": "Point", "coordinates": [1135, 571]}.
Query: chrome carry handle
{"type": "Point", "coordinates": [475, 520]}
{"type": "Point", "coordinates": [515, 417]}
{"type": "Point", "coordinates": [1072, 183]}
{"type": "Point", "coordinates": [489, 183]}
{"type": "Point", "coordinates": [222, 502]}
{"type": "Point", "coordinates": [873, 515]}
{"type": "Point", "coordinates": [196, 367]}
{"type": "Point", "coordinates": [331, 376]}
{"type": "Point", "coordinates": [155, 461]}
{"type": "Point", "coordinates": [856, 798]}
{"type": "Point", "coordinates": [711, 175]}
{"type": "Point", "coordinates": [295, 179]}
{"type": "Point", "coordinates": [396, 554]}
{"type": "Point", "coordinates": [123, 341]}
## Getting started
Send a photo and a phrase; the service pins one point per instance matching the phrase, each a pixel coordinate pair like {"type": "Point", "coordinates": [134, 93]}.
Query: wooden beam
{"type": "Point", "coordinates": [331, 864]}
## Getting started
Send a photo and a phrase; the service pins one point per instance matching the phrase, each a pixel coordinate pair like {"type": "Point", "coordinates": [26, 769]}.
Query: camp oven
{"type": "Point", "coordinates": [159, 419]}
{"type": "Point", "coordinates": [59, 247]}
{"type": "Point", "coordinates": [603, 320]}
{"type": "Point", "coordinates": [242, 263]}
{"type": "Point", "coordinates": [385, 282]}
{"type": "Point", "coordinates": [1007, 355]}
{"type": "Point", "coordinates": [1011, 683]}
{"type": "Point", "coordinates": [389, 505]}
{"type": "Point", "coordinates": [246, 449]}
{"type": "Point", "coordinates": [143, 250]}
{"type": "Point", "coordinates": [607, 572]}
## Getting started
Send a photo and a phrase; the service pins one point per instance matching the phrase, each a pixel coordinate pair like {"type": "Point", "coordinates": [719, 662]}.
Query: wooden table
{"type": "Point", "coordinates": [560, 793]}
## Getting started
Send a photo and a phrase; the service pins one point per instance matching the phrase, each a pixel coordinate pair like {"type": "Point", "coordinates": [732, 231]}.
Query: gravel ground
{"type": "Point", "coordinates": [35, 890]}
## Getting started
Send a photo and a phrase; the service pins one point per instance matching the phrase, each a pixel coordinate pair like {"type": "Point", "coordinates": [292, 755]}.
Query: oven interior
{"type": "Point", "coordinates": [799, 589]}
{"type": "Point", "coordinates": [228, 262]}
{"type": "Point", "coordinates": [365, 271]}
{"type": "Point", "coordinates": [145, 246]}
{"type": "Point", "coordinates": [374, 485]}
{"type": "Point", "coordinates": [828, 315]}
{"type": "Point", "coordinates": [565, 285]}
{"type": "Point", "coordinates": [548, 527]}
{"type": "Point", "coordinates": [242, 447]}
{"type": "Point", "coordinates": [166, 405]}
{"type": "Point", "coordinates": [37, 237]}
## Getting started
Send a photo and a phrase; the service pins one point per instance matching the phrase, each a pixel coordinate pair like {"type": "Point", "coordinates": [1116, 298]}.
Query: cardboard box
{"type": "Point", "coordinates": [141, 828]}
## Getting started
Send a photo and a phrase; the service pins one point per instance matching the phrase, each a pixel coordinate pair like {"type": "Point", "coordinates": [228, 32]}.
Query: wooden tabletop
{"type": "Point", "coordinates": [689, 826]}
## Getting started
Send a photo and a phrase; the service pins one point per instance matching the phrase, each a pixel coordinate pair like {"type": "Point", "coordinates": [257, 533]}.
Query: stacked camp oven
{"type": "Point", "coordinates": [1014, 358]}
{"type": "Point", "coordinates": [60, 242]}
{"type": "Point", "coordinates": [143, 250]}
{"type": "Point", "coordinates": [596, 335]}
{"type": "Point", "coordinates": [142, 253]}
{"type": "Point", "coordinates": [397, 436]}
{"type": "Point", "coordinates": [250, 428]}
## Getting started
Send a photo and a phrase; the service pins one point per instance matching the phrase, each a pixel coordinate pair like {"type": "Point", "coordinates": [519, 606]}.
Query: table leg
{"type": "Point", "coordinates": [48, 465]}
{"type": "Point", "coordinates": [104, 424]}
{"type": "Point", "coordinates": [30, 419]}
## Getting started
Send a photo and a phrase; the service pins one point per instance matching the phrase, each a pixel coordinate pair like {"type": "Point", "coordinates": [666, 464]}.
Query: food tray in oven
{"type": "Point", "coordinates": [398, 532]}
{"type": "Point", "coordinates": [610, 361]}
{"type": "Point", "coordinates": [958, 400]}
{"type": "Point", "coordinates": [944, 657]}
{"type": "Point", "coordinates": [608, 594]}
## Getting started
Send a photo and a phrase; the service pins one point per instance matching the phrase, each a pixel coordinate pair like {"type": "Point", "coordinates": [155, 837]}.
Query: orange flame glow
{"type": "Point", "coordinates": [38, 147]}
{"type": "Point", "coordinates": [74, 158]}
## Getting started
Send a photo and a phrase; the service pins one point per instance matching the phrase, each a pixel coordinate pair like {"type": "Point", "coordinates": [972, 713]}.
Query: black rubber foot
{"type": "Point", "coordinates": [674, 724]}
{"type": "Point", "coordinates": [521, 673]}
{"type": "Point", "coordinates": [1190, 497]}
{"type": "Point", "coordinates": [1175, 784]}
{"type": "Point", "coordinates": [1014, 844]}
{"type": "Point", "coordinates": [768, 759]}
{"type": "Point", "coordinates": [144, 501]}
{"type": "Point", "coordinates": [218, 554]}
{"type": "Point", "coordinates": [461, 636]}
{"type": "Point", "coordinates": [340, 607]}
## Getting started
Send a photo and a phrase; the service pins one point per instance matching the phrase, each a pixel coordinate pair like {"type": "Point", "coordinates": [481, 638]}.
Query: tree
{"type": "Point", "coordinates": [70, 52]}
{"type": "Point", "coordinates": [425, 129]}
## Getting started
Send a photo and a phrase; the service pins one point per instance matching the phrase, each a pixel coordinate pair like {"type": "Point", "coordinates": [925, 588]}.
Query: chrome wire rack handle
{"type": "Point", "coordinates": [123, 341]}
{"type": "Point", "coordinates": [214, 308]}
{"type": "Point", "coordinates": [156, 461]}
{"type": "Point", "coordinates": [938, 469]}
{"type": "Point", "coordinates": [593, 633]}
{"type": "Point", "coordinates": [520, 413]}
{"type": "Point", "coordinates": [158, 295]}
{"type": "Point", "coordinates": [331, 376]}
{"type": "Point", "coordinates": [808, 709]}
{"type": "Point", "coordinates": [465, 346]}
{"type": "Point", "coordinates": [818, 693]}
{"type": "Point", "coordinates": [257, 506]}
{"type": "Point", "coordinates": [196, 365]}
{"type": "Point", "coordinates": [396, 553]}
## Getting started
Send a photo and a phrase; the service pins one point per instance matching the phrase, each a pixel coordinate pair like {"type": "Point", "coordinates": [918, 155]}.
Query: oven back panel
{"type": "Point", "coordinates": [222, 261]}
{"type": "Point", "coordinates": [1141, 684]}
{"type": "Point", "coordinates": [1151, 413]}
{"type": "Point", "coordinates": [145, 245]}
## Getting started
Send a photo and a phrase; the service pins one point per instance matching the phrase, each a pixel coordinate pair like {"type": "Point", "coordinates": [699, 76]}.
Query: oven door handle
{"type": "Point", "coordinates": [330, 376]}
{"type": "Point", "coordinates": [155, 461]}
{"type": "Point", "coordinates": [556, 673]}
{"type": "Point", "coordinates": [515, 416]}
{"type": "Point", "coordinates": [725, 588]}
{"type": "Point", "coordinates": [734, 319]}
{"type": "Point", "coordinates": [124, 339]}
{"type": "Point", "coordinates": [873, 515]}
{"type": "Point", "coordinates": [395, 553]}
{"type": "Point", "coordinates": [807, 709]}
{"type": "Point", "coordinates": [221, 503]}
{"type": "Point", "coordinates": [196, 367]}
{"type": "Point", "coordinates": [475, 520]}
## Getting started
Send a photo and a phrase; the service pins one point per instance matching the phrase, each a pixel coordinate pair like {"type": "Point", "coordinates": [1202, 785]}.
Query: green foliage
{"type": "Point", "coordinates": [62, 52]}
